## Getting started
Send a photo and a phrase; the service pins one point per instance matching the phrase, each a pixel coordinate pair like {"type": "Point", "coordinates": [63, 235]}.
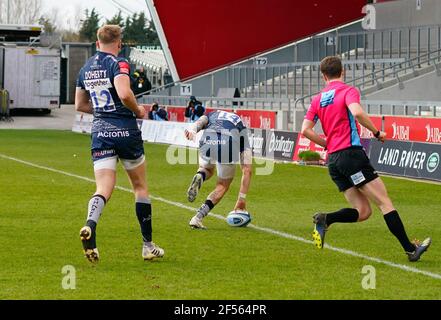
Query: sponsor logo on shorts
{"type": "Point", "coordinates": [358, 178]}
{"type": "Point", "coordinates": [113, 134]}
{"type": "Point", "coordinates": [103, 153]}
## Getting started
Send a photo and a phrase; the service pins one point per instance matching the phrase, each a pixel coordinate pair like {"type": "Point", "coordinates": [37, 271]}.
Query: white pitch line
{"type": "Point", "coordinates": [261, 229]}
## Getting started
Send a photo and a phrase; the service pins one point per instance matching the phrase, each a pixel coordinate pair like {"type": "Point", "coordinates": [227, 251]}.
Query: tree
{"type": "Point", "coordinates": [20, 11]}
{"type": "Point", "coordinates": [152, 35]}
{"type": "Point", "coordinates": [72, 26]}
{"type": "Point", "coordinates": [136, 29]}
{"type": "Point", "coordinates": [50, 21]}
{"type": "Point", "coordinates": [140, 31]}
{"type": "Point", "coordinates": [48, 26]}
{"type": "Point", "coordinates": [117, 19]}
{"type": "Point", "coordinates": [90, 26]}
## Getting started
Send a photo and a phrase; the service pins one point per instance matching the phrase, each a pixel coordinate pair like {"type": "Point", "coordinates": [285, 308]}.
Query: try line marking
{"type": "Point", "coordinates": [261, 229]}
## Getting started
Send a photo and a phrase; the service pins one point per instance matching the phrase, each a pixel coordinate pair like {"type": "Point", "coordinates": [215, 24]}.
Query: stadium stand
{"type": "Point", "coordinates": [395, 64]}
{"type": "Point", "coordinates": [153, 60]}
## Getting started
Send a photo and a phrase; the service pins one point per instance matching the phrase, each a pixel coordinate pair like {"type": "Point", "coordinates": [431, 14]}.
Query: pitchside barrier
{"type": "Point", "coordinates": [419, 160]}
{"type": "Point", "coordinates": [277, 145]}
{"type": "Point", "coordinates": [413, 129]}
{"type": "Point", "coordinates": [261, 119]}
{"type": "Point", "coordinates": [407, 159]}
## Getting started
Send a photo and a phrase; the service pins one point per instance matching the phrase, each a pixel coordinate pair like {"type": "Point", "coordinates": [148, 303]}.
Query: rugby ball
{"type": "Point", "coordinates": [238, 218]}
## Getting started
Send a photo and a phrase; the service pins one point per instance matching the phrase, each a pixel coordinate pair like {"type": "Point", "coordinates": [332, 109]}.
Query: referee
{"type": "Point", "coordinates": [338, 109]}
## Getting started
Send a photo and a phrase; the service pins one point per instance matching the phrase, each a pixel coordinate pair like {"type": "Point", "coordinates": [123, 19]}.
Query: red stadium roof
{"type": "Point", "coordinates": [200, 36]}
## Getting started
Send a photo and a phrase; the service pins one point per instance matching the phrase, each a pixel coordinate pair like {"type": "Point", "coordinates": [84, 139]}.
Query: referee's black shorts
{"type": "Point", "coordinates": [351, 168]}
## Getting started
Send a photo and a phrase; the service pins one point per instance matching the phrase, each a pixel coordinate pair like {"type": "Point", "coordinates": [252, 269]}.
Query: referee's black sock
{"type": "Point", "coordinates": [347, 215]}
{"type": "Point", "coordinates": [396, 226]}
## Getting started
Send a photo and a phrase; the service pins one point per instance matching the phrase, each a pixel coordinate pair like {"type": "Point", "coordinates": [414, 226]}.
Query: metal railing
{"type": "Point", "coordinates": [162, 88]}
{"type": "Point", "coordinates": [273, 104]}
{"type": "Point", "coordinates": [403, 108]}
{"type": "Point", "coordinates": [380, 46]}
{"type": "Point", "coordinates": [377, 49]}
{"type": "Point", "coordinates": [404, 42]}
{"type": "Point", "coordinates": [289, 80]}
{"type": "Point", "coordinates": [396, 43]}
{"type": "Point", "coordinates": [396, 73]}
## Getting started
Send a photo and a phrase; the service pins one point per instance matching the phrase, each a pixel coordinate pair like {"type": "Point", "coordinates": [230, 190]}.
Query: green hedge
{"type": "Point", "coordinates": [309, 156]}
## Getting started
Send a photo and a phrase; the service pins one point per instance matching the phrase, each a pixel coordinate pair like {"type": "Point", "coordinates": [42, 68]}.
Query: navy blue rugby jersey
{"type": "Point", "coordinates": [224, 138]}
{"type": "Point", "coordinates": [97, 78]}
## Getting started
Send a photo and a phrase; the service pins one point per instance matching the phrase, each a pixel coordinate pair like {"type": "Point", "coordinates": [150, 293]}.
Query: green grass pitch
{"type": "Point", "coordinates": [41, 213]}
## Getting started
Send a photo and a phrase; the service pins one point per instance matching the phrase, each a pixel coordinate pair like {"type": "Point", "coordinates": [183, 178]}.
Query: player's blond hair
{"type": "Point", "coordinates": [109, 34]}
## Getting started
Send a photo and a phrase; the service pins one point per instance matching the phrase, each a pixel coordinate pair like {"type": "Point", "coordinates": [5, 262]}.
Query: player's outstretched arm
{"type": "Point", "coordinates": [199, 125]}
{"type": "Point", "coordinates": [125, 93]}
{"type": "Point", "coordinates": [363, 118]}
{"type": "Point", "coordinates": [82, 101]}
{"type": "Point", "coordinates": [308, 132]}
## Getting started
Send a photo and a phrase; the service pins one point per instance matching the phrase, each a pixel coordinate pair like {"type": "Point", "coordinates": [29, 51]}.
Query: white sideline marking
{"type": "Point", "coordinates": [261, 229]}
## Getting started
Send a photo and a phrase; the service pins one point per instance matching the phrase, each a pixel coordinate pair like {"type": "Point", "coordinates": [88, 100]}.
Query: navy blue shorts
{"type": "Point", "coordinates": [124, 144]}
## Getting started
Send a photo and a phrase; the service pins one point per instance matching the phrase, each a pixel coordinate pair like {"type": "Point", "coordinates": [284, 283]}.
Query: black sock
{"type": "Point", "coordinates": [92, 225]}
{"type": "Point", "coordinates": [347, 215]}
{"type": "Point", "coordinates": [210, 204]}
{"type": "Point", "coordinates": [396, 226]}
{"type": "Point", "coordinates": [144, 214]}
{"type": "Point", "coordinates": [203, 174]}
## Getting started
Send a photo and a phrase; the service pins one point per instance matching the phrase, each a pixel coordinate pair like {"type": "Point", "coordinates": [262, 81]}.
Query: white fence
{"type": "Point", "coordinates": [165, 132]}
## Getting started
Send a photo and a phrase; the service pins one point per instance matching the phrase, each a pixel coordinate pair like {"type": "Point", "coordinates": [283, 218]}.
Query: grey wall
{"type": "Point", "coordinates": [77, 55]}
{"type": "Point", "coordinates": [404, 13]}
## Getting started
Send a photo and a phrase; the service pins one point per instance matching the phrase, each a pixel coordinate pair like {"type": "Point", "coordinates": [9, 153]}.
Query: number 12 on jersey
{"type": "Point", "coordinates": [102, 100]}
{"type": "Point", "coordinates": [231, 117]}
{"type": "Point", "coordinates": [99, 93]}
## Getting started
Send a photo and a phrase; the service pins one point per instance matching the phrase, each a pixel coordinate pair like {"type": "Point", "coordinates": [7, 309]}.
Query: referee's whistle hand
{"type": "Point", "coordinates": [382, 137]}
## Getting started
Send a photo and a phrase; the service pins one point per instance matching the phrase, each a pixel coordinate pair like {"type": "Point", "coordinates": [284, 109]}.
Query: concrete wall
{"type": "Point", "coordinates": [77, 55]}
{"type": "Point", "coordinates": [404, 13]}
